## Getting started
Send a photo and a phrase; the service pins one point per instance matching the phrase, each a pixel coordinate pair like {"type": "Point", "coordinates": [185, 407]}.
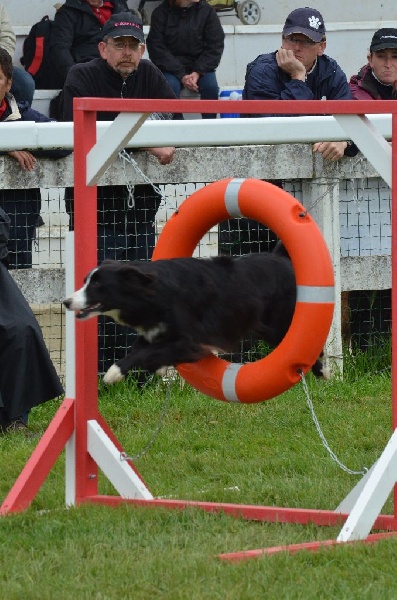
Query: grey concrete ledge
{"type": "Point", "coordinates": [196, 164]}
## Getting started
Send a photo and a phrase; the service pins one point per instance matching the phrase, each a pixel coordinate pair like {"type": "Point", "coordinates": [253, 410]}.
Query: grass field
{"type": "Point", "coordinates": [266, 454]}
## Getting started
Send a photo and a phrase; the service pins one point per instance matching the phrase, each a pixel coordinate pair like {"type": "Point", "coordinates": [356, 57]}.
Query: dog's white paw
{"type": "Point", "coordinates": [113, 375]}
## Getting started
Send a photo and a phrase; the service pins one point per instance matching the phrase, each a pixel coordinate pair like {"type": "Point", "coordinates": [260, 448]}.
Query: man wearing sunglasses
{"type": "Point", "coordinates": [300, 70]}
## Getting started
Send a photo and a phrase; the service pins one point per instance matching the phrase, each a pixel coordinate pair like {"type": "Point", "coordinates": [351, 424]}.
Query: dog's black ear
{"type": "Point", "coordinates": [134, 276]}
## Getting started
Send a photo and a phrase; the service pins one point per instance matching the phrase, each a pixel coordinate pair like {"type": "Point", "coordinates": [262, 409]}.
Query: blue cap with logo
{"type": "Point", "coordinates": [307, 21]}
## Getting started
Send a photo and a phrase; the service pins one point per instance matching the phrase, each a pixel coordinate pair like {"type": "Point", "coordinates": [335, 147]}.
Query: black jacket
{"type": "Point", "coordinates": [76, 33]}
{"type": "Point", "coordinates": [98, 80]}
{"type": "Point", "coordinates": [182, 40]}
{"type": "Point", "coordinates": [4, 233]}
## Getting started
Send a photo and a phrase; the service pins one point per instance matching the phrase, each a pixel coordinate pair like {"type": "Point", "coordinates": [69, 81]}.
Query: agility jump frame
{"type": "Point", "coordinates": [80, 428]}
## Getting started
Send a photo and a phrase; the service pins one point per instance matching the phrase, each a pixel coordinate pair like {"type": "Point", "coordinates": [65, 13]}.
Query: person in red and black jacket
{"type": "Point", "coordinates": [76, 31]}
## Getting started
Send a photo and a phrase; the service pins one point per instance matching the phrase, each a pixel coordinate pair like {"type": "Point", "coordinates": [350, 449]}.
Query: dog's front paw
{"type": "Point", "coordinates": [113, 375]}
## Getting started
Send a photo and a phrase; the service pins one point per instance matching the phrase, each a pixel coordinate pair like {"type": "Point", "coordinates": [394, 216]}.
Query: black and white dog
{"type": "Point", "coordinates": [186, 308]}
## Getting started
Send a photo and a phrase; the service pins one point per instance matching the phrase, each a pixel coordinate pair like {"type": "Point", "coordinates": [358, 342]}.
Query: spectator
{"type": "Point", "coordinates": [299, 70]}
{"type": "Point", "coordinates": [76, 31]}
{"type": "Point", "coordinates": [186, 43]}
{"type": "Point", "coordinates": [22, 82]}
{"type": "Point", "coordinates": [27, 375]}
{"type": "Point", "coordinates": [377, 80]}
{"type": "Point", "coordinates": [22, 206]}
{"type": "Point", "coordinates": [125, 229]}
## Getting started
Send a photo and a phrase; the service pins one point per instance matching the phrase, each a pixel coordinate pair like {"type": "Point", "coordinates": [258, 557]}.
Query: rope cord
{"type": "Point", "coordinates": [159, 426]}
{"type": "Point", "coordinates": [321, 434]}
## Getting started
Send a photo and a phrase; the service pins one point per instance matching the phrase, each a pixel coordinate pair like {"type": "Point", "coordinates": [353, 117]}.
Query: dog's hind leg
{"type": "Point", "coordinates": [319, 369]}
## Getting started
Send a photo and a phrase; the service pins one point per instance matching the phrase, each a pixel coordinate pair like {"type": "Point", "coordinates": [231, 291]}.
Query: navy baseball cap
{"type": "Point", "coordinates": [382, 39]}
{"type": "Point", "coordinates": [124, 24]}
{"type": "Point", "coordinates": [307, 21]}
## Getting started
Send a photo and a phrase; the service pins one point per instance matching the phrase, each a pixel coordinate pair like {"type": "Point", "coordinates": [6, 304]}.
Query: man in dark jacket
{"type": "Point", "coordinates": [186, 42]}
{"type": "Point", "coordinates": [27, 375]}
{"type": "Point", "coordinates": [377, 80]}
{"type": "Point", "coordinates": [126, 226]}
{"type": "Point", "coordinates": [300, 70]}
{"type": "Point", "coordinates": [77, 30]}
{"type": "Point", "coordinates": [22, 206]}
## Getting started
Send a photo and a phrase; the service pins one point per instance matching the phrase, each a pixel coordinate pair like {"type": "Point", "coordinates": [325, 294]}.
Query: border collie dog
{"type": "Point", "coordinates": [184, 309]}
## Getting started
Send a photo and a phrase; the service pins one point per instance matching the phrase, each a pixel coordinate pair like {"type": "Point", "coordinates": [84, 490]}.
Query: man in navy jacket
{"type": "Point", "coordinates": [300, 70]}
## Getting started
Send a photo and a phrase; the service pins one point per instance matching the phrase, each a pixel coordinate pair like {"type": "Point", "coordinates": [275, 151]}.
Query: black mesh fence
{"type": "Point", "coordinates": [127, 230]}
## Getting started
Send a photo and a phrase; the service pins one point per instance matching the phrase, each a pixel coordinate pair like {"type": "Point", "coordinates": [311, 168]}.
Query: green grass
{"type": "Point", "coordinates": [266, 454]}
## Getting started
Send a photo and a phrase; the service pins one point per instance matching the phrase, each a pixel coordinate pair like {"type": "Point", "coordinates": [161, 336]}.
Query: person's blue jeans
{"type": "Point", "coordinates": [207, 84]}
{"type": "Point", "coordinates": [23, 85]}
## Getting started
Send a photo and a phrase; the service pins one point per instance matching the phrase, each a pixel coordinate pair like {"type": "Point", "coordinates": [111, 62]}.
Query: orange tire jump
{"type": "Point", "coordinates": [302, 344]}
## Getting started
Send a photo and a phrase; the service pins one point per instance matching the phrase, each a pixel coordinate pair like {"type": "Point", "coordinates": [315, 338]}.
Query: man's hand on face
{"type": "Point", "coordinates": [289, 64]}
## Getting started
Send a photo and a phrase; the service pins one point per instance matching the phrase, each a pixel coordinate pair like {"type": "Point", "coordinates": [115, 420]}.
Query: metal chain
{"type": "Point", "coordinates": [126, 158]}
{"type": "Point", "coordinates": [160, 423]}
{"type": "Point", "coordinates": [322, 436]}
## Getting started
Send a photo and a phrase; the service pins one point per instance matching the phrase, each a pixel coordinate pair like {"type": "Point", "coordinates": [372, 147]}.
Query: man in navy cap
{"type": "Point", "coordinates": [300, 70]}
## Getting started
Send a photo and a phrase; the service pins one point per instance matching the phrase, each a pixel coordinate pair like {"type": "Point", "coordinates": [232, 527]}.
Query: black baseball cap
{"type": "Point", "coordinates": [382, 39]}
{"type": "Point", "coordinates": [307, 21]}
{"type": "Point", "coordinates": [124, 24]}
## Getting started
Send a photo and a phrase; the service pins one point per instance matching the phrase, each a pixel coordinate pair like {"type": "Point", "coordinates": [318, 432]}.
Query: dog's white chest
{"type": "Point", "coordinates": [150, 335]}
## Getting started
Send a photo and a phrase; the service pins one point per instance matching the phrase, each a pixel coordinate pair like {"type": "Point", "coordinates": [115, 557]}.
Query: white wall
{"type": "Point", "coordinates": [273, 13]}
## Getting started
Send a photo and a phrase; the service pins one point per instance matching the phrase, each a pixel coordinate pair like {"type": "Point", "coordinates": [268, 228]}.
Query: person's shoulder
{"type": "Point", "coordinates": [146, 65]}
{"type": "Point", "coordinates": [71, 4]}
{"type": "Point", "coordinates": [162, 8]}
{"type": "Point", "coordinates": [327, 62]}
{"type": "Point", "coordinates": [204, 6]}
{"type": "Point", "coordinates": [263, 60]}
{"type": "Point", "coordinates": [86, 67]}
{"type": "Point", "coordinates": [30, 114]}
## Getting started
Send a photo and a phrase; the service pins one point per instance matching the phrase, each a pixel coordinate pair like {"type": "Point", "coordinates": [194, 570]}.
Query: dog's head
{"type": "Point", "coordinates": [110, 288]}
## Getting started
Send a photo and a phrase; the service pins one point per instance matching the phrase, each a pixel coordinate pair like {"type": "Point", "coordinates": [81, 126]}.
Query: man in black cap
{"type": "Point", "coordinates": [125, 226]}
{"type": "Point", "coordinates": [300, 70]}
{"type": "Point", "coordinates": [377, 80]}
